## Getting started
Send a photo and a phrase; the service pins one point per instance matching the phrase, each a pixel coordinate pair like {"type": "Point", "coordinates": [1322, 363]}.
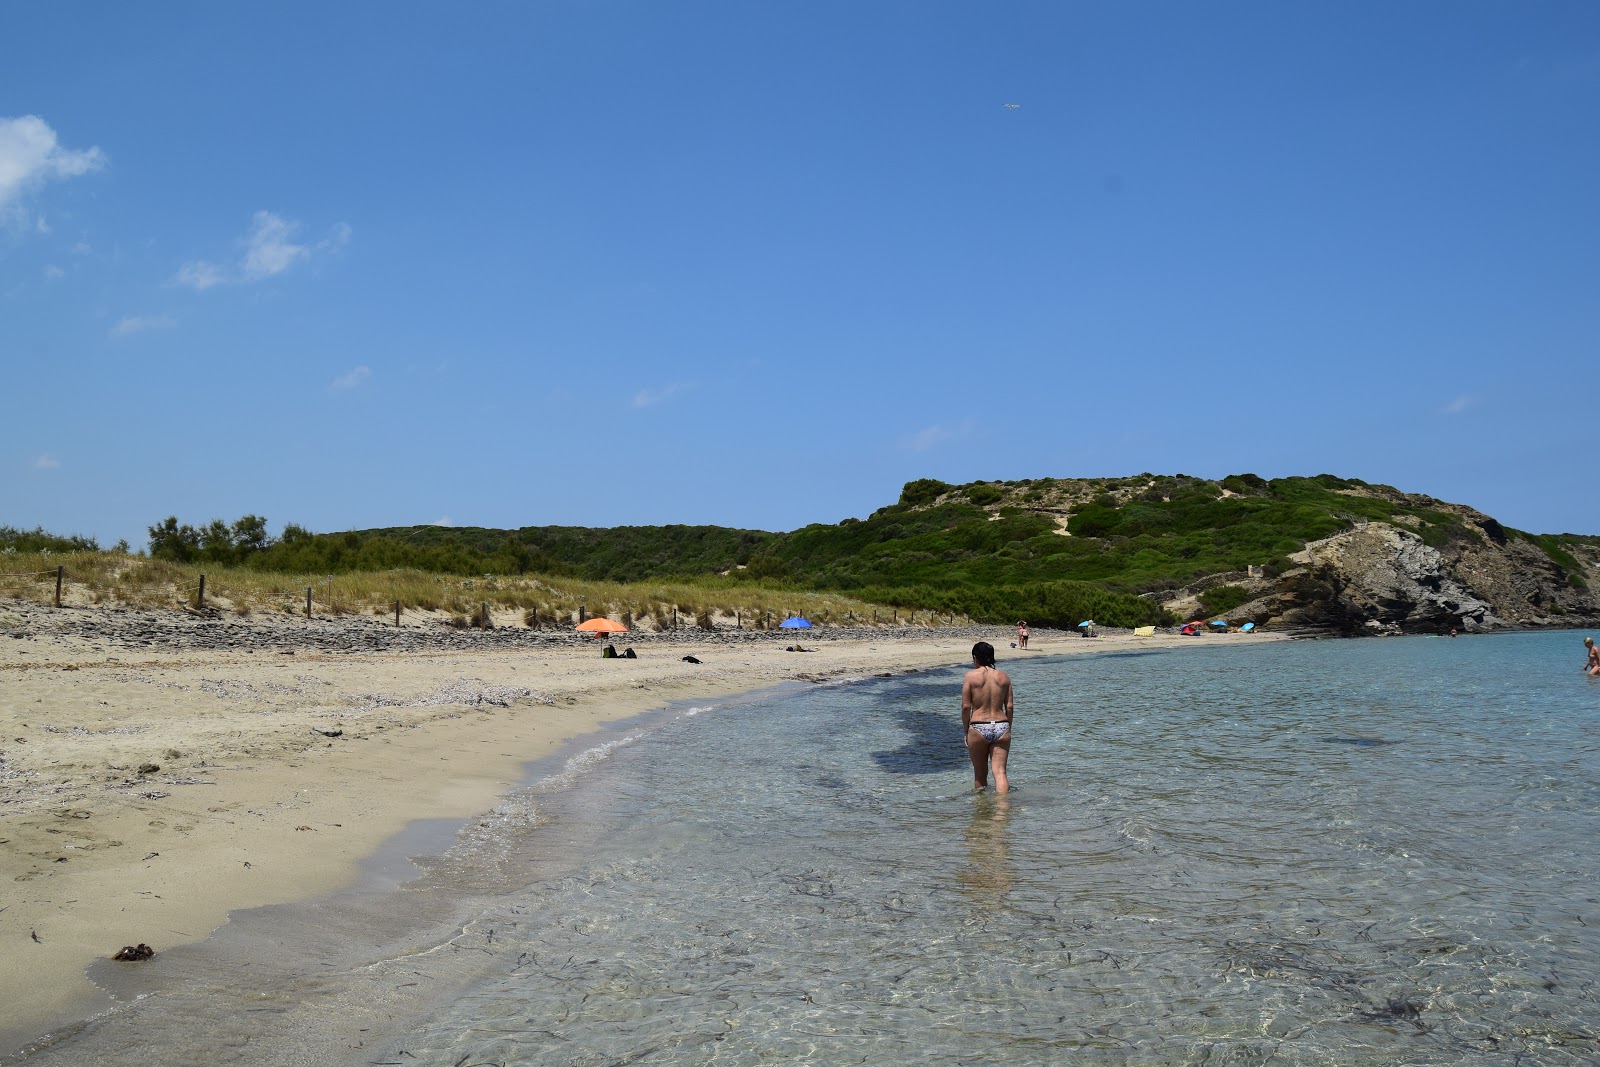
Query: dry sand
{"type": "Point", "coordinates": [146, 793]}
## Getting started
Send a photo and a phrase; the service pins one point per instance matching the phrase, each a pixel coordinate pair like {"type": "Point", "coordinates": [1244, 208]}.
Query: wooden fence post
{"type": "Point", "coordinates": [582, 615]}
{"type": "Point", "coordinates": [308, 602]}
{"type": "Point", "coordinates": [60, 573]}
{"type": "Point", "coordinates": [397, 614]}
{"type": "Point", "coordinates": [200, 597]}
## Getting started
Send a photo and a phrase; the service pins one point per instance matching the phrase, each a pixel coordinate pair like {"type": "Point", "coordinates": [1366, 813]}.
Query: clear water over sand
{"type": "Point", "coordinates": [1377, 851]}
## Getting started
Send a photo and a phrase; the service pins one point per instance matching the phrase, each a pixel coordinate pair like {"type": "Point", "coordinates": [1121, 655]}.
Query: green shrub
{"type": "Point", "coordinates": [1221, 599]}
{"type": "Point", "coordinates": [984, 495]}
{"type": "Point", "coordinates": [923, 491]}
{"type": "Point", "coordinates": [38, 540]}
{"type": "Point", "coordinates": [1245, 483]}
{"type": "Point", "coordinates": [1096, 520]}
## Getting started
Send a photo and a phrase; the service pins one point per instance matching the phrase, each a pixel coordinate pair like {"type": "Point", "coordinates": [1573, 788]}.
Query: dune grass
{"type": "Point", "coordinates": [115, 578]}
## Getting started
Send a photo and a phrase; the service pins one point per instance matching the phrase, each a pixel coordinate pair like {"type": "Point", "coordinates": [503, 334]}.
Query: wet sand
{"type": "Point", "coordinates": [151, 785]}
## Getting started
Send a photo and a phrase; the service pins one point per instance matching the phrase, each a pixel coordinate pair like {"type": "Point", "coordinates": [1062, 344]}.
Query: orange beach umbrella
{"type": "Point", "coordinates": [598, 626]}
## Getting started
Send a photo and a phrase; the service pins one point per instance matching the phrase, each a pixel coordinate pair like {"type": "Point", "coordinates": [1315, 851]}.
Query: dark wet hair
{"type": "Point", "coordinates": [983, 654]}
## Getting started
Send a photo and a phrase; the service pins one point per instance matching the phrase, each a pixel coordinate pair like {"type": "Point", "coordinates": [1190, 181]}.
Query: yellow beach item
{"type": "Point", "coordinates": [1144, 631]}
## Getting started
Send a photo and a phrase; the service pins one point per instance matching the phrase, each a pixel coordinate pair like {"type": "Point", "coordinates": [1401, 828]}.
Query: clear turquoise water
{"type": "Point", "coordinates": [1344, 852]}
{"type": "Point", "coordinates": [1376, 851]}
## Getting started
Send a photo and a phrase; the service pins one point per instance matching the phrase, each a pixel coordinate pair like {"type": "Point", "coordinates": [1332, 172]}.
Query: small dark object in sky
{"type": "Point", "coordinates": [138, 952]}
{"type": "Point", "coordinates": [690, 659]}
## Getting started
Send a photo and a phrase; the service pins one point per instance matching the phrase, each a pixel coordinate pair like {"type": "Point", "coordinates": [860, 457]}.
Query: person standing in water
{"type": "Point", "coordinates": [1022, 634]}
{"type": "Point", "coordinates": [987, 708]}
{"type": "Point", "coordinates": [1591, 665]}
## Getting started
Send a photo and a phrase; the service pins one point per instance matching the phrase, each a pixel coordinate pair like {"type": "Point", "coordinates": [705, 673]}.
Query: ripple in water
{"type": "Point", "coordinates": [1357, 852]}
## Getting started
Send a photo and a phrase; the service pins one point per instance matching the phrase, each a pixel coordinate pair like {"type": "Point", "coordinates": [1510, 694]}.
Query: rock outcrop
{"type": "Point", "coordinates": [1388, 578]}
{"type": "Point", "coordinates": [1382, 578]}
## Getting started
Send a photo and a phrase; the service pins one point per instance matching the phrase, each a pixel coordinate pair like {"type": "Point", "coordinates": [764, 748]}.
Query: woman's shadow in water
{"type": "Point", "coordinates": [932, 745]}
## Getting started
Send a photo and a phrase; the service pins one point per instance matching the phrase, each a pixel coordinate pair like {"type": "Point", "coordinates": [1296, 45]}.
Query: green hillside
{"type": "Point", "coordinates": [1139, 534]}
{"type": "Point", "coordinates": [1050, 550]}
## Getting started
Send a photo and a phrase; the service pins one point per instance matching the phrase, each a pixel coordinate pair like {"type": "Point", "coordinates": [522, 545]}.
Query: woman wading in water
{"type": "Point", "coordinates": [986, 712]}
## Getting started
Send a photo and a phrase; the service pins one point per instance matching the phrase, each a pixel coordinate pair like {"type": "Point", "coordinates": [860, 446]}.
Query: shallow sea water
{"type": "Point", "coordinates": [1380, 851]}
{"type": "Point", "coordinates": [1355, 852]}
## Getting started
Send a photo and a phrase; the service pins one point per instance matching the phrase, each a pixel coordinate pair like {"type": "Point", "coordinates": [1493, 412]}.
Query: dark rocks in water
{"type": "Point", "coordinates": [134, 953]}
{"type": "Point", "coordinates": [1395, 1008]}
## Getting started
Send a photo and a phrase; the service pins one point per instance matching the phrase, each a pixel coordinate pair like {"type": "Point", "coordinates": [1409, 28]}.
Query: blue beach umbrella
{"type": "Point", "coordinates": [1218, 622]}
{"type": "Point", "coordinates": [1087, 622]}
{"type": "Point", "coordinates": [796, 623]}
{"type": "Point", "coordinates": [1247, 627]}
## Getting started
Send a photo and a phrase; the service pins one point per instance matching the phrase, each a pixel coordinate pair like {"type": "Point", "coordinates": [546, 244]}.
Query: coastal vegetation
{"type": "Point", "coordinates": [1054, 551]}
{"type": "Point", "coordinates": [117, 578]}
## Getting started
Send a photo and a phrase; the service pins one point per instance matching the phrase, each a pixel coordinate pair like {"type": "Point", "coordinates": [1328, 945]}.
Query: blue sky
{"type": "Point", "coordinates": [503, 264]}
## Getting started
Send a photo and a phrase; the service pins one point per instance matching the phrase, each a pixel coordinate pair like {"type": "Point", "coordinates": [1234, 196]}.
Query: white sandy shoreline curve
{"type": "Point", "coordinates": [148, 789]}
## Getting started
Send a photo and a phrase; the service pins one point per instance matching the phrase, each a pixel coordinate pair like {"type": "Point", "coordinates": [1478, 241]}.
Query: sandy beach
{"type": "Point", "coordinates": [158, 771]}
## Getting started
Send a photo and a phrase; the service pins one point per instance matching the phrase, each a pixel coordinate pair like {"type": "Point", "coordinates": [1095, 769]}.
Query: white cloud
{"type": "Point", "coordinates": [442, 520]}
{"type": "Point", "coordinates": [927, 437]}
{"type": "Point", "coordinates": [1458, 405]}
{"type": "Point", "coordinates": [139, 323]}
{"type": "Point", "coordinates": [270, 248]}
{"type": "Point", "coordinates": [353, 379]}
{"type": "Point", "coordinates": [46, 462]}
{"type": "Point", "coordinates": [53, 272]}
{"type": "Point", "coordinates": [30, 156]}
{"type": "Point", "coordinates": [199, 274]}
{"type": "Point", "coordinates": [937, 434]}
{"type": "Point", "coordinates": [337, 238]}
{"type": "Point", "coordinates": [649, 397]}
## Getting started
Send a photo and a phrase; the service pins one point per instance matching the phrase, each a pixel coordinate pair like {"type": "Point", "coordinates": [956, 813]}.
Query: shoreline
{"type": "Point", "coordinates": [145, 797]}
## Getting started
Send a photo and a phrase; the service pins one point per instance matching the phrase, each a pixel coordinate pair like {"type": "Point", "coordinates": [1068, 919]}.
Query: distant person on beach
{"type": "Point", "coordinates": [986, 712]}
{"type": "Point", "coordinates": [1022, 634]}
{"type": "Point", "coordinates": [1591, 665]}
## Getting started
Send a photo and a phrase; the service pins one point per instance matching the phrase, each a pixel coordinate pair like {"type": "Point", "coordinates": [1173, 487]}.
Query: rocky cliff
{"type": "Point", "coordinates": [1379, 577]}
